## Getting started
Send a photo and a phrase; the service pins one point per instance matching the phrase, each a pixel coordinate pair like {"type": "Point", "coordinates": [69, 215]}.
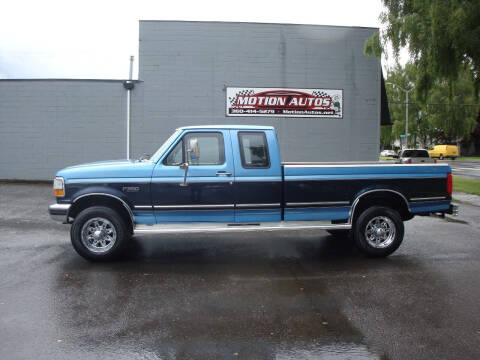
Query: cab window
{"type": "Point", "coordinates": [209, 150]}
{"type": "Point", "coordinates": [253, 150]}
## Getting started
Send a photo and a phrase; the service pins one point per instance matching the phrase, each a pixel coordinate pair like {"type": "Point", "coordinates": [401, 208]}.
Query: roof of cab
{"type": "Point", "coordinates": [231, 127]}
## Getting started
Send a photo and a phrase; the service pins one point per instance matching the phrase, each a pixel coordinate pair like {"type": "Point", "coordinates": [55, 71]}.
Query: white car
{"type": "Point", "coordinates": [387, 153]}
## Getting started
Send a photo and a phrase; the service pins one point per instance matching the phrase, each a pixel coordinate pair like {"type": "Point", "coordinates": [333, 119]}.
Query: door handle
{"type": "Point", "coordinates": [223, 173]}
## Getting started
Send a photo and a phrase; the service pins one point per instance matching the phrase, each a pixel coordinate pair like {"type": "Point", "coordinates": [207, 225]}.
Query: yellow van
{"type": "Point", "coordinates": [444, 151]}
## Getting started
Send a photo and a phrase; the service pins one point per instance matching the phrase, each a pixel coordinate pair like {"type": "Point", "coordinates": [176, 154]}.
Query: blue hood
{"type": "Point", "coordinates": [109, 169]}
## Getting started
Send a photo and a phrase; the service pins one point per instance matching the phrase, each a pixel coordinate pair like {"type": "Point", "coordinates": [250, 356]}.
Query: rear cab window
{"type": "Point", "coordinates": [254, 150]}
{"type": "Point", "coordinates": [415, 153]}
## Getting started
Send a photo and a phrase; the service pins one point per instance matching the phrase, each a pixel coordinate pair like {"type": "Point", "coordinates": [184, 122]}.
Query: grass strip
{"type": "Point", "coordinates": [469, 186]}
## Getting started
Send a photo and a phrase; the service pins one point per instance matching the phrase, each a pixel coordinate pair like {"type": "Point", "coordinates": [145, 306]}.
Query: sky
{"type": "Point", "coordinates": [94, 39]}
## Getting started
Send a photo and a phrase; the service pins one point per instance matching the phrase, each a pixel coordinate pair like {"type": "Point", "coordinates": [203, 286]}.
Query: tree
{"type": "Point", "coordinates": [442, 118]}
{"type": "Point", "coordinates": [397, 79]}
{"type": "Point", "coordinates": [442, 37]}
{"type": "Point", "coordinates": [386, 137]}
{"type": "Point", "coordinates": [450, 119]}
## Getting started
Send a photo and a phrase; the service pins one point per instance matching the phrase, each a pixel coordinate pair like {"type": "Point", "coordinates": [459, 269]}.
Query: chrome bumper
{"type": "Point", "coordinates": [453, 210]}
{"type": "Point", "coordinates": [58, 212]}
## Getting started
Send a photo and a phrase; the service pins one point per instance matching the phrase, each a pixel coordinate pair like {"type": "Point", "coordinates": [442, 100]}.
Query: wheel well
{"type": "Point", "coordinates": [102, 200]}
{"type": "Point", "coordinates": [382, 198]}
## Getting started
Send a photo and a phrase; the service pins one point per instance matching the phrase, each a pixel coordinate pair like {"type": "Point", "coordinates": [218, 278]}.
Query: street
{"type": "Point", "coordinates": [468, 169]}
{"type": "Point", "coordinates": [237, 296]}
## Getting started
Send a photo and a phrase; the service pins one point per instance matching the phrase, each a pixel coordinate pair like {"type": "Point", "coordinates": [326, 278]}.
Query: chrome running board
{"type": "Point", "coordinates": [168, 228]}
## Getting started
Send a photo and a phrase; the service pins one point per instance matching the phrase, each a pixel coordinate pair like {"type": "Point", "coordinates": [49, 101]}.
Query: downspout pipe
{"type": "Point", "coordinates": [129, 85]}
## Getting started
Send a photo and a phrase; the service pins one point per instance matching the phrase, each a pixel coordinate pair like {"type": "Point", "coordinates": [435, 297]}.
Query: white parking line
{"type": "Point", "coordinates": [468, 169]}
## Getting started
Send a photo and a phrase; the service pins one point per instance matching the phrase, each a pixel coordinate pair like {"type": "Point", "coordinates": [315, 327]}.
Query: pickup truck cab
{"type": "Point", "coordinates": [230, 178]}
{"type": "Point", "coordinates": [415, 156]}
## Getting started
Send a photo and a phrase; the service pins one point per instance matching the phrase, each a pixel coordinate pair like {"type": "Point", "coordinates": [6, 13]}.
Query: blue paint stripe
{"type": "Point", "coordinates": [364, 176]}
{"type": "Point", "coordinates": [144, 217]}
{"type": "Point", "coordinates": [258, 178]}
{"type": "Point", "coordinates": [325, 213]}
{"type": "Point", "coordinates": [429, 206]}
{"type": "Point", "coordinates": [195, 216]}
{"type": "Point", "coordinates": [257, 215]}
{"type": "Point", "coordinates": [381, 170]}
{"type": "Point", "coordinates": [193, 179]}
{"type": "Point", "coordinates": [115, 180]}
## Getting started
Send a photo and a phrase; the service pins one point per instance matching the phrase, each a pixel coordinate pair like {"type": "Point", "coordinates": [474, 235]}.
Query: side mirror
{"type": "Point", "coordinates": [193, 150]}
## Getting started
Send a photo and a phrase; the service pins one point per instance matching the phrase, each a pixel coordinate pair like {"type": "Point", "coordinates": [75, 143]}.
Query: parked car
{"type": "Point", "coordinates": [414, 156]}
{"type": "Point", "coordinates": [444, 151]}
{"type": "Point", "coordinates": [230, 178]}
{"type": "Point", "coordinates": [391, 153]}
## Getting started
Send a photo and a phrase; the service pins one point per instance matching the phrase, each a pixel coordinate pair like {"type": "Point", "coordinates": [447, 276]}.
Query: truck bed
{"type": "Point", "coordinates": [322, 190]}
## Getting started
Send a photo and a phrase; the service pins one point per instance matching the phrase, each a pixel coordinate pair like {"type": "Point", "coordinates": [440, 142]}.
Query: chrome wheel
{"type": "Point", "coordinates": [98, 235]}
{"type": "Point", "coordinates": [380, 232]}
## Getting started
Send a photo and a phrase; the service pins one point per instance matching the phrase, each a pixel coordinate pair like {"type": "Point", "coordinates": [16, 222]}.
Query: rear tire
{"type": "Point", "coordinates": [99, 233]}
{"type": "Point", "coordinates": [378, 231]}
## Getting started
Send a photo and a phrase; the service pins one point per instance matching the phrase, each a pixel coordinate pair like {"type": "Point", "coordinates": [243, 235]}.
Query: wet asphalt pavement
{"type": "Point", "coordinates": [248, 296]}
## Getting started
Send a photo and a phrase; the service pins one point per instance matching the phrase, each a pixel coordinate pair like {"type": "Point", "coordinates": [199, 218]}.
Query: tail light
{"type": "Point", "coordinates": [409, 161]}
{"type": "Point", "coordinates": [449, 184]}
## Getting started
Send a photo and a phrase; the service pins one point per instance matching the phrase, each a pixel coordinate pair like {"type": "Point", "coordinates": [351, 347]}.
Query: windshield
{"type": "Point", "coordinates": [162, 148]}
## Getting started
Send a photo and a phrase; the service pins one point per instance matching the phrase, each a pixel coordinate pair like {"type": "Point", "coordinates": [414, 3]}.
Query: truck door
{"type": "Point", "coordinates": [258, 176]}
{"type": "Point", "coordinates": [193, 182]}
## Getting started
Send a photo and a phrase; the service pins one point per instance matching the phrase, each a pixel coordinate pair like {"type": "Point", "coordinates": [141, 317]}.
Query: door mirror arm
{"type": "Point", "coordinates": [184, 166]}
{"type": "Point", "coordinates": [192, 149]}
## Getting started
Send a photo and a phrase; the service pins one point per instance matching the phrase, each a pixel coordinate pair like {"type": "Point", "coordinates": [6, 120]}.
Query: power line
{"type": "Point", "coordinates": [432, 104]}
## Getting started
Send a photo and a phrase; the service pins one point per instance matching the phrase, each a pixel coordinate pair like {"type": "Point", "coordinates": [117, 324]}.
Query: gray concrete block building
{"type": "Point", "coordinates": [185, 72]}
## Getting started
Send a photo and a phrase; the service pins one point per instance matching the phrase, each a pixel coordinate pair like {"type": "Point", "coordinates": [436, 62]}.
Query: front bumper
{"type": "Point", "coordinates": [58, 212]}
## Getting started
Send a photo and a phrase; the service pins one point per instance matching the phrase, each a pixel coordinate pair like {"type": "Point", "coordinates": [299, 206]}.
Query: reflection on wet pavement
{"type": "Point", "coordinates": [237, 296]}
{"type": "Point", "coordinates": [207, 298]}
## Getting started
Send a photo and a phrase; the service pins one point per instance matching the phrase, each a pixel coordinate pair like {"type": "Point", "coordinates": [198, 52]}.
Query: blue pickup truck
{"type": "Point", "coordinates": [230, 178]}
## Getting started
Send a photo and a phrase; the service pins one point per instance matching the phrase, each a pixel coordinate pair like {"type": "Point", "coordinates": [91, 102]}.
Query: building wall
{"type": "Point", "coordinates": [185, 67]}
{"type": "Point", "coordinates": [46, 125]}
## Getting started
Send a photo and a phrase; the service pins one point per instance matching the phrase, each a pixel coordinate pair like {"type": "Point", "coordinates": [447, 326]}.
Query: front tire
{"type": "Point", "coordinates": [378, 231]}
{"type": "Point", "coordinates": [98, 233]}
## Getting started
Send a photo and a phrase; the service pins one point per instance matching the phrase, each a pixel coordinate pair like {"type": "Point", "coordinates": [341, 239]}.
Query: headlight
{"type": "Point", "coordinates": [58, 187]}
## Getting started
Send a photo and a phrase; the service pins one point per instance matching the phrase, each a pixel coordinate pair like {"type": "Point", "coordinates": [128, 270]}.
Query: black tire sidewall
{"type": "Point", "coordinates": [361, 223]}
{"type": "Point", "coordinates": [114, 218]}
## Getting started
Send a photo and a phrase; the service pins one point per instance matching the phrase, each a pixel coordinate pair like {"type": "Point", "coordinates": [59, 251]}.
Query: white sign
{"type": "Point", "coordinates": [283, 102]}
